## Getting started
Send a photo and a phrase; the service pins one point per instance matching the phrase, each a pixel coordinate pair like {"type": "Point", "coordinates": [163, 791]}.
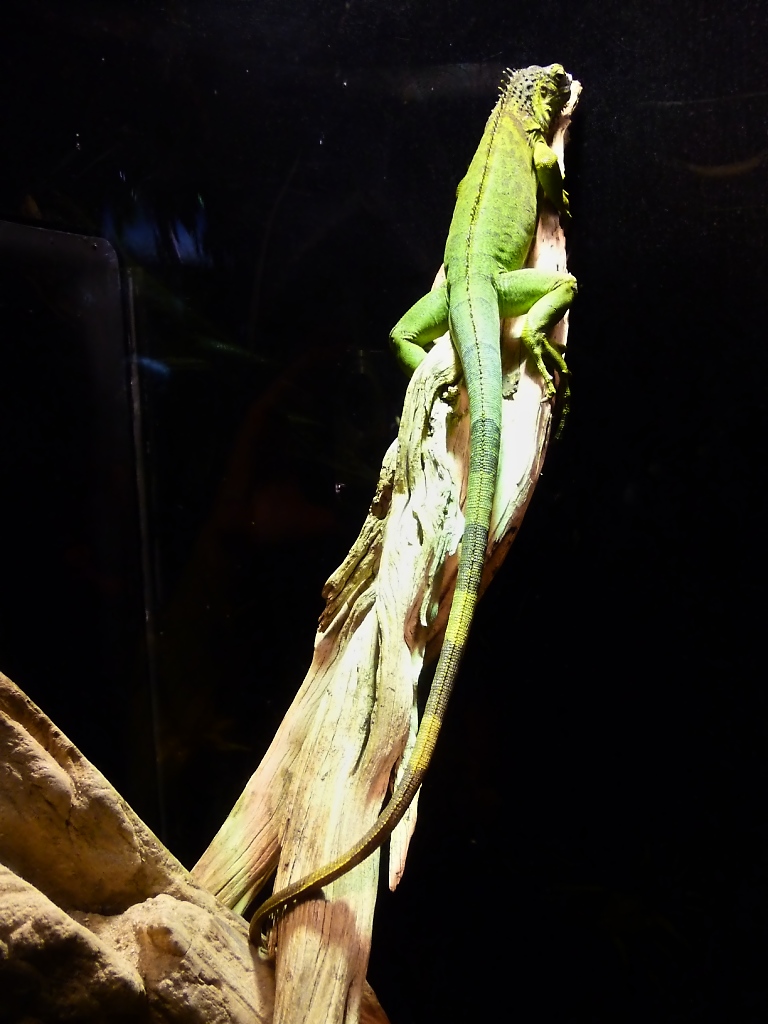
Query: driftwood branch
{"type": "Point", "coordinates": [330, 766]}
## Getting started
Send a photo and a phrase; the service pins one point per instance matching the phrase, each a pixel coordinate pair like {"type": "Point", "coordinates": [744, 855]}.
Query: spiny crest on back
{"type": "Point", "coordinates": [537, 93]}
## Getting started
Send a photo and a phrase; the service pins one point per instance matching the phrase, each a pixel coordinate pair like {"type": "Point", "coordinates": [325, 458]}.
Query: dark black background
{"type": "Point", "coordinates": [277, 180]}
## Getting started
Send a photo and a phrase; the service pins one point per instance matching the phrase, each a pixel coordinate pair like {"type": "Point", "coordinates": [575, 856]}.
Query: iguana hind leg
{"type": "Point", "coordinates": [424, 323]}
{"type": "Point", "coordinates": [545, 296]}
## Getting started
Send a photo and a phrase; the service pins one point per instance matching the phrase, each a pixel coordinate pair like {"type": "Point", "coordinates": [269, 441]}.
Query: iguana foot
{"type": "Point", "coordinates": [543, 352]}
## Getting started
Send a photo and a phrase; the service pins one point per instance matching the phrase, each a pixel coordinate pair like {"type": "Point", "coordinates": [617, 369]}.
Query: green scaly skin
{"type": "Point", "coordinates": [493, 226]}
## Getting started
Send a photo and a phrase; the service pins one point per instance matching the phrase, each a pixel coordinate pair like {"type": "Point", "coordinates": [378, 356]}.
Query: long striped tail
{"type": "Point", "coordinates": [483, 464]}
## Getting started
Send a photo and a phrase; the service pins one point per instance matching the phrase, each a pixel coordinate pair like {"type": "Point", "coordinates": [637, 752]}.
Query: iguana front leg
{"type": "Point", "coordinates": [549, 175]}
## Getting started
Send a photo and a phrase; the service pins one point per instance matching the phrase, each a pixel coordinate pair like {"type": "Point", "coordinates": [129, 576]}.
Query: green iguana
{"type": "Point", "coordinates": [491, 232]}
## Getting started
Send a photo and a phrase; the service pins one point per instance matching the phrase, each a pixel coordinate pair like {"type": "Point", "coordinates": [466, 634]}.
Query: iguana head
{"type": "Point", "coordinates": [539, 94]}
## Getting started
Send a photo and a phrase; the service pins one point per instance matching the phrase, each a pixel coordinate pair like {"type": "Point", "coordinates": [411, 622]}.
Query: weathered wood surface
{"type": "Point", "coordinates": [328, 770]}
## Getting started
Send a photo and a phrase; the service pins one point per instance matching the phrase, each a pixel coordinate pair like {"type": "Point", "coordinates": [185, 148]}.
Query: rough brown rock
{"type": "Point", "coordinates": [97, 920]}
